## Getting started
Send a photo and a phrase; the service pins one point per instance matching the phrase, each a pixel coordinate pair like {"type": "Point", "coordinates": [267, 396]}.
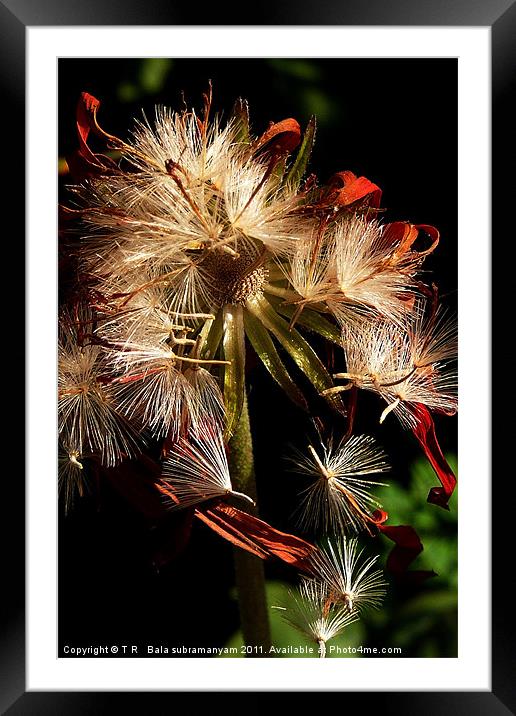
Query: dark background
{"type": "Point", "coordinates": [393, 121]}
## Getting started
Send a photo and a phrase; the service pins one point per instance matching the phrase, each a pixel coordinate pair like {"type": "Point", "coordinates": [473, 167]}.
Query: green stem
{"type": "Point", "coordinates": [249, 572]}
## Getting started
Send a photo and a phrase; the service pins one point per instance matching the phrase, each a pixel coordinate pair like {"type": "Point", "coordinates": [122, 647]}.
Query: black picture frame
{"type": "Point", "coordinates": [15, 17]}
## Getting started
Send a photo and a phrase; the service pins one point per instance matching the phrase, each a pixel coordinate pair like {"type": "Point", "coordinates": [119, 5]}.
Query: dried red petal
{"type": "Point", "coordinates": [83, 162]}
{"type": "Point", "coordinates": [407, 546]}
{"type": "Point", "coordinates": [281, 136]}
{"type": "Point", "coordinates": [433, 233]}
{"type": "Point", "coordinates": [87, 107]}
{"type": "Point", "coordinates": [256, 536]}
{"type": "Point", "coordinates": [379, 517]}
{"type": "Point", "coordinates": [244, 530]}
{"type": "Point", "coordinates": [225, 529]}
{"type": "Point", "coordinates": [345, 188]}
{"type": "Point", "coordinates": [425, 433]}
{"type": "Point", "coordinates": [401, 235]}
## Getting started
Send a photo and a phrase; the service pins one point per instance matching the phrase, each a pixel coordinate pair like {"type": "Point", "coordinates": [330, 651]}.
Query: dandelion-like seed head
{"type": "Point", "coordinates": [339, 498]}
{"type": "Point", "coordinates": [71, 477]}
{"type": "Point", "coordinates": [87, 415]}
{"type": "Point", "coordinates": [416, 365]}
{"type": "Point", "coordinates": [196, 468]}
{"type": "Point", "coordinates": [159, 380]}
{"type": "Point", "coordinates": [346, 266]}
{"type": "Point", "coordinates": [348, 580]}
{"type": "Point", "coordinates": [196, 211]}
{"type": "Point", "coordinates": [186, 244]}
{"type": "Point", "coordinates": [368, 279]}
{"type": "Point", "coordinates": [311, 614]}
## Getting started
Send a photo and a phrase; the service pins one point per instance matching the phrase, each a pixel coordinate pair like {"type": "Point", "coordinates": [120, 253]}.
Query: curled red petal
{"type": "Point", "coordinates": [345, 188]}
{"type": "Point", "coordinates": [434, 235]}
{"type": "Point", "coordinates": [399, 235]}
{"type": "Point", "coordinates": [281, 137]}
{"type": "Point", "coordinates": [425, 433]}
{"type": "Point", "coordinates": [87, 107]}
{"type": "Point", "coordinates": [432, 232]}
{"type": "Point", "coordinates": [407, 546]}
{"type": "Point", "coordinates": [220, 524]}
{"type": "Point", "coordinates": [83, 162]}
{"type": "Point", "coordinates": [250, 533]}
{"type": "Point", "coordinates": [342, 179]}
{"type": "Point", "coordinates": [379, 517]}
{"type": "Point", "coordinates": [255, 535]}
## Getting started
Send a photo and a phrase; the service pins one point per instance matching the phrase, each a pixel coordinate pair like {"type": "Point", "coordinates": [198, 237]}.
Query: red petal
{"type": "Point", "coordinates": [83, 162]}
{"type": "Point", "coordinates": [342, 179]}
{"type": "Point", "coordinates": [407, 546]}
{"type": "Point", "coordinates": [433, 233]}
{"type": "Point", "coordinates": [425, 433]}
{"type": "Point", "coordinates": [250, 533]}
{"type": "Point", "coordinates": [256, 536]}
{"type": "Point", "coordinates": [346, 188]}
{"type": "Point", "coordinates": [283, 136]}
{"type": "Point", "coordinates": [87, 107]}
{"type": "Point", "coordinates": [379, 517]}
{"type": "Point", "coordinates": [399, 234]}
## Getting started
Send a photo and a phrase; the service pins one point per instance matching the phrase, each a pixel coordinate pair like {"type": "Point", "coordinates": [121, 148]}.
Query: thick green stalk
{"type": "Point", "coordinates": [249, 572]}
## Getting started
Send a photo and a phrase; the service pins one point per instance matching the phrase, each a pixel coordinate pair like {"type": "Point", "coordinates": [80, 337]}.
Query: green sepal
{"type": "Point", "coordinates": [241, 117]}
{"type": "Point", "coordinates": [265, 349]}
{"type": "Point", "coordinates": [297, 170]}
{"type": "Point", "coordinates": [233, 342]}
{"type": "Point", "coordinates": [310, 319]}
{"type": "Point", "coordinates": [278, 173]}
{"type": "Point", "coordinates": [296, 346]}
{"type": "Point", "coordinates": [211, 336]}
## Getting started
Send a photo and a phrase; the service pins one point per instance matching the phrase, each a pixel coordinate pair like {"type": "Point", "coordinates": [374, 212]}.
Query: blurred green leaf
{"type": "Point", "coordinates": [430, 649]}
{"type": "Point", "coordinates": [413, 630]}
{"type": "Point", "coordinates": [423, 478]}
{"type": "Point", "coordinates": [428, 603]}
{"type": "Point", "coordinates": [153, 73]}
{"type": "Point", "coordinates": [426, 623]}
{"type": "Point", "coordinates": [150, 79]}
{"type": "Point", "coordinates": [439, 554]}
{"type": "Point", "coordinates": [283, 635]}
{"type": "Point", "coordinates": [397, 501]}
{"type": "Point", "coordinates": [300, 68]}
{"type": "Point", "coordinates": [409, 505]}
{"type": "Point", "coordinates": [316, 101]}
{"type": "Point", "coordinates": [128, 92]}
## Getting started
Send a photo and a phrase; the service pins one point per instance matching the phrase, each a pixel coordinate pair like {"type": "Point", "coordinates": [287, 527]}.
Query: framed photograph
{"type": "Point", "coordinates": [247, 259]}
